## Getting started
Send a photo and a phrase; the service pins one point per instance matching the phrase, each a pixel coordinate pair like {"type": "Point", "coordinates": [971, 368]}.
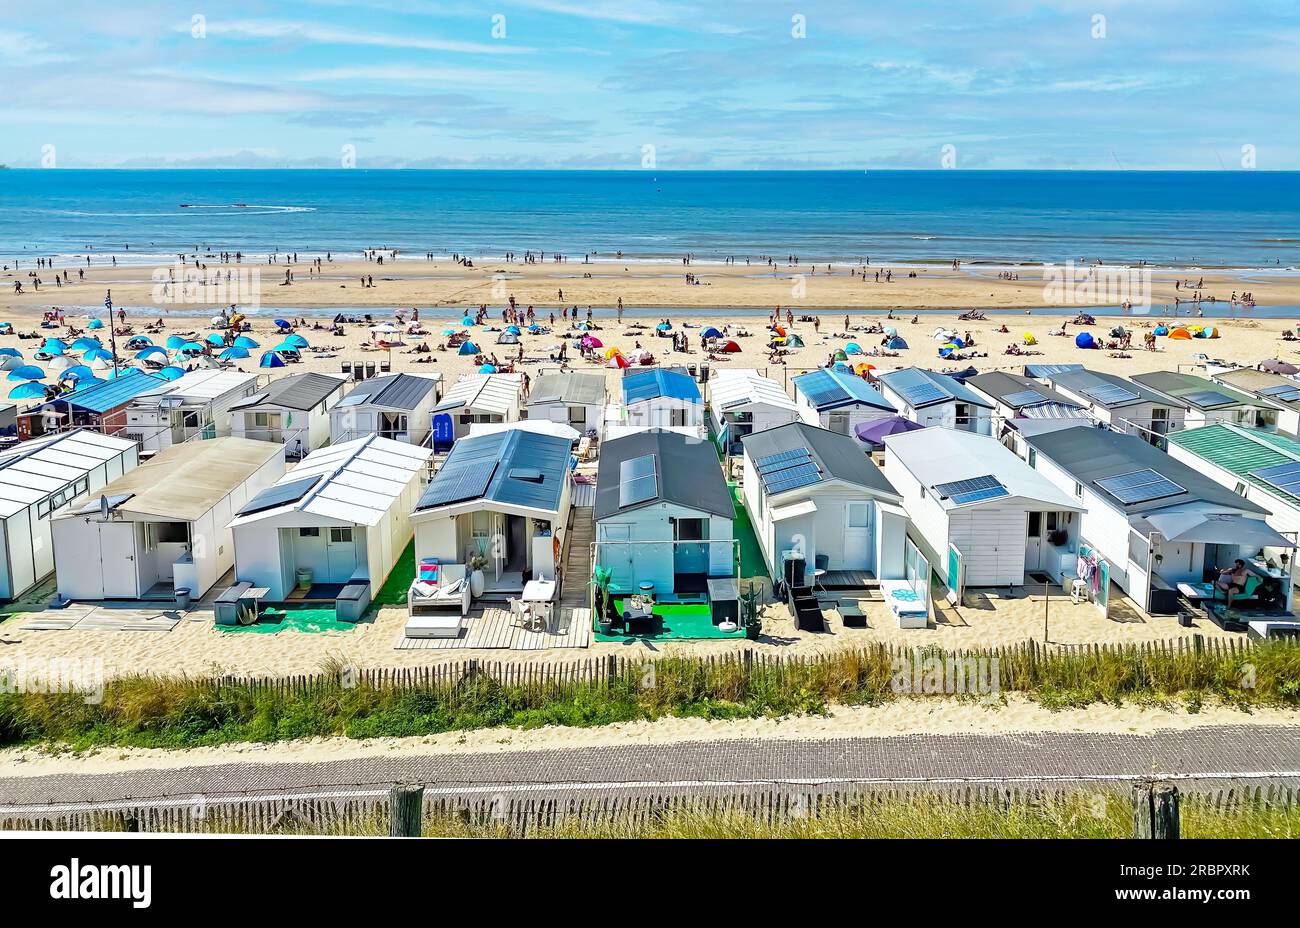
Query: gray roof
{"type": "Point", "coordinates": [299, 391]}
{"type": "Point", "coordinates": [952, 389]}
{"type": "Point", "coordinates": [513, 467]}
{"type": "Point", "coordinates": [837, 456]}
{"type": "Point", "coordinates": [1080, 380]}
{"type": "Point", "coordinates": [688, 468]}
{"type": "Point", "coordinates": [1002, 384]}
{"type": "Point", "coordinates": [395, 391]}
{"type": "Point", "coordinates": [572, 387]}
{"type": "Point", "coordinates": [1092, 454]}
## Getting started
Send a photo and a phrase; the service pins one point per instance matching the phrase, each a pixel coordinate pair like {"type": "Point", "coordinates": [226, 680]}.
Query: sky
{"type": "Point", "coordinates": [576, 84]}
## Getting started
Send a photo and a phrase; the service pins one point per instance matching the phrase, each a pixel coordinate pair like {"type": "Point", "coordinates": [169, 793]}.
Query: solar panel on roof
{"type": "Point", "coordinates": [775, 461]}
{"type": "Point", "coordinates": [457, 483]}
{"type": "Point", "coordinates": [792, 478]}
{"type": "Point", "coordinates": [638, 480]}
{"type": "Point", "coordinates": [1109, 394]}
{"type": "Point", "coordinates": [973, 490]}
{"type": "Point", "coordinates": [918, 394]}
{"type": "Point", "coordinates": [1284, 477]}
{"type": "Point", "coordinates": [1140, 486]}
{"type": "Point", "coordinates": [1023, 398]}
{"type": "Point", "coordinates": [282, 494]}
{"type": "Point", "coordinates": [1210, 398]}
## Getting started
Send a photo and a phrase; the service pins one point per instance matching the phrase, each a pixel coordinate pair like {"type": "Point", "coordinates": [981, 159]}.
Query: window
{"type": "Point", "coordinates": [577, 415]}
{"type": "Point", "coordinates": [689, 529]}
{"type": "Point", "coordinates": [859, 515]}
{"type": "Point", "coordinates": [193, 420]}
{"type": "Point", "coordinates": [174, 533]}
{"type": "Point", "coordinates": [1078, 490]}
{"type": "Point", "coordinates": [838, 422]}
{"type": "Point", "coordinates": [42, 509]}
{"type": "Point", "coordinates": [311, 532]}
{"type": "Point", "coordinates": [1239, 489]}
{"type": "Point", "coordinates": [1033, 458]}
{"type": "Point", "coordinates": [963, 414]}
{"type": "Point", "coordinates": [340, 536]}
{"type": "Point", "coordinates": [677, 417]}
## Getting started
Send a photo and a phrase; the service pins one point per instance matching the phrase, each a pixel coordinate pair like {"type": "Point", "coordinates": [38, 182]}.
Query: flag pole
{"type": "Point", "coordinates": [112, 331]}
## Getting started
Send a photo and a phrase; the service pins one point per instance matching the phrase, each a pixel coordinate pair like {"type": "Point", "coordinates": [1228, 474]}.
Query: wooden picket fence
{"type": "Point", "coordinates": [523, 814]}
{"type": "Point", "coordinates": [559, 676]}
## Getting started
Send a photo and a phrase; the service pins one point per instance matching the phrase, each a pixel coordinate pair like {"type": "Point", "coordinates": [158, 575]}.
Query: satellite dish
{"type": "Point", "coordinates": [104, 509]}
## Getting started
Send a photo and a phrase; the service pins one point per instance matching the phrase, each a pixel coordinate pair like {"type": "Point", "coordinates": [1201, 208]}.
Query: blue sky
{"type": "Point", "coordinates": [591, 83]}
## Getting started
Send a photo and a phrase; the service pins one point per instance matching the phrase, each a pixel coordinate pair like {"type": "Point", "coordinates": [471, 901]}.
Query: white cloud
{"type": "Point", "coordinates": [270, 29]}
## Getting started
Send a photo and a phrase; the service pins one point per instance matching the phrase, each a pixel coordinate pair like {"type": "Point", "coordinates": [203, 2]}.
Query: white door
{"type": "Point", "coordinates": [117, 560]}
{"type": "Point", "coordinates": [615, 556]}
{"type": "Point", "coordinates": [1034, 542]}
{"type": "Point", "coordinates": [340, 555]}
{"type": "Point", "coordinates": [993, 543]}
{"type": "Point", "coordinates": [857, 536]}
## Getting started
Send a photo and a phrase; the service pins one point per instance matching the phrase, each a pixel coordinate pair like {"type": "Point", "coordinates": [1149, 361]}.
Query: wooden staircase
{"type": "Point", "coordinates": [575, 590]}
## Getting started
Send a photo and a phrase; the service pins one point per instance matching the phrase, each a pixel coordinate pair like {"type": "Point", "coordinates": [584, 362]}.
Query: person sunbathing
{"type": "Point", "coordinates": [1232, 580]}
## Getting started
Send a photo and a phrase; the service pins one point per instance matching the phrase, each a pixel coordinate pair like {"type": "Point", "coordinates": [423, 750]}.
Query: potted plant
{"type": "Point", "coordinates": [600, 580]}
{"type": "Point", "coordinates": [476, 562]}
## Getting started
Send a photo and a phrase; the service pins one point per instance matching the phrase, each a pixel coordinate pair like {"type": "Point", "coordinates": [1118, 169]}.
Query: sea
{"type": "Point", "coordinates": [1178, 220]}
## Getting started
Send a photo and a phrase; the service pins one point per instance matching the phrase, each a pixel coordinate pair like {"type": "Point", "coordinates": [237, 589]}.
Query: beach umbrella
{"type": "Point", "coordinates": [385, 328]}
{"type": "Point", "coordinates": [611, 352]}
{"type": "Point", "coordinates": [284, 323]}
{"type": "Point", "coordinates": [98, 354]}
{"type": "Point", "coordinates": [945, 351]}
{"type": "Point", "coordinates": [270, 359]}
{"type": "Point", "coordinates": [1085, 340]}
{"type": "Point", "coordinates": [234, 354]}
{"type": "Point", "coordinates": [896, 343]}
{"type": "Point", "coordinates": [85, 344]}
{"type": "Point", "coordinates": [776, 343]}
{"type": "Point", "coordinates": [1029, 339]}
{"type": "Point", "coordinates": [1278, 366]}
{"type": "Point", "coordinates": [534, 329]}
{"type": "Point", "coordinates": [10, 353]}
{"type": "Point", "coordinates": [27, 372]}
{"type": "Point", "coordinates": [244, 341]}
{"type": "Point", "coordinates": [662, 327]}
{"type": "Point", "coordinates": [151, 351]}
{"type": "Point", "coordinates": [862, 367]}
{"type": "Point", "coordinates": [853, 348]}
{"type": "Point", "coordinates": [171, 373]}
{"type": "Point", "coordinates": [584, 326]}
{"type": "Point", "coordinates": [1161, 330]}
{"type": "Point", "coordinates": [780, 330]}
{"type": "Point", "coordinates": [591, 341]}
{"type": "Point", "coordinates": [28, 391]}
{"type": "Point", "coordinates": [891, 331]}
{"type": "Point", "coordinates": [840, 356]}
{"type": "Point", "coordinates": [215, 339]}
{"type": "Point", "coordinates": [711, 332]}
{"type": "Point", "coordinates": [96, 324]}
{"type": "Point", "coordinates": [729, 348]}
{"type": "Point", "coordinates": [174, 342]}
{"type": "Point", "coordinates": [467, 348]}
{"type": "Point", "coordinates": [467, 321]}
{"type": "Point", "coordinates": [487, 369]}
{"type": "Point", "coordinates": [874, 432]}
{"type": "Point", "coordinates": [618, 361]}
{"type": "Point", "coordinates": [448, 331]}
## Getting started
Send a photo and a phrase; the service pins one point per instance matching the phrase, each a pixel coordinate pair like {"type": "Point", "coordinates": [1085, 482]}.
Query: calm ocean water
{"type": "Point", "coordinates": [1231, 218]}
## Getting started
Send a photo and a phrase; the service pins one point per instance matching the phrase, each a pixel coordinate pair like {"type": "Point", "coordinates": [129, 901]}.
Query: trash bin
{"type": "Point", "coordinates": [303, 578]}
{"type": "Point", "coordinates": [183, 598]}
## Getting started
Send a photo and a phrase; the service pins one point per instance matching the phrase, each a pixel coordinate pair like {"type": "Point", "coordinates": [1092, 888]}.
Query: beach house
{"type": "Point", "coordinates": [293, 411]}
{"type": "Point", "coordinates": [1279, 395]}
{"type": "Point", "coordinates": [1156, 526]}
{"type": "Point", "coordinates": [164, 525]}
{"type": "Point", "coordinates": [476, 398]}
{"type": "Point", "coordinates": [980, 515]}
{"type": "Point", "coordinates": [396, 406]}
{"type": "Point", "coordinates": [101, 406]}
{"type": "Point", "coordinates": [663, 515]}
{"type": "Point", "coordinates": [932, 399]}
{"type": "Point", "coordinates": [340, 518]}
{"type": "Point", "coordinates": [503, 496]}
{"type": "Point", "coordinates": [838, 401]}
{"type": "Point", "coordinates": [194, 405]}
{"type": "Point", "coordinates": [1022, 406]}
{"type": "Point", "coordinates": [662, 397]}
{"type": "Point", "coordinates": [1206, 402]}
{"type": "Point", "coordinates": [573, 398]}
{"type": "Point", "coordinates": [1123, 405]}
{"type": "Point", "coordinates": [742, 402]}
{"type": "Point", "coordinates": [40, 478]}
{"type": "Point", "coordinates": [813, 495]}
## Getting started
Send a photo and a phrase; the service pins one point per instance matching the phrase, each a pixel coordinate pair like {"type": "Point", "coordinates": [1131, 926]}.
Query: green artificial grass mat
{"type": "Point", "coordinates": [311, 620]}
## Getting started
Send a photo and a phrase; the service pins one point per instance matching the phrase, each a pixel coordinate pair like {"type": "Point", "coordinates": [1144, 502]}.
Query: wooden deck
{"type": "Point", "coordinates": [497, 628]}
{"type": "Point", "coordinates": [85, 617]}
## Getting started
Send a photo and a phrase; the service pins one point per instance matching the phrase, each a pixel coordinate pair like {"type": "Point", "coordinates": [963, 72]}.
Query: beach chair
{"type": "Point", "coordinates": [385, 367]}
{"type": "Point", "coordinates": [370, 369]}
{"type": "Point", "coordinates": [346, 368]}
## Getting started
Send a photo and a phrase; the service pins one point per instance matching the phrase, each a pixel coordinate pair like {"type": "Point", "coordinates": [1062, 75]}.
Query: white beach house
{"type": "Point", "coordinates": [476, 398]}
{"type": "Point", "coordinates": [162, 526]}
{"type": "Point", "coordinates": [396, 406]}
{"type": "Point", "coordinates": [742, 402]}
{"type": "Point", "coordinates": [838, 401]}
{"type": "Point", "coordinates": [40, 478]}
{"type": "Point", "coordinates": [663, 515]}
{"type": "Point", "coordinates": [1023, 406]}
{"type": "Point", "coordinates": [975, 506]}
{"type": "Point", "coordinates": [1123, 405]}
{"type": "Point", "coordinates": [814, 493]}
{"type": "Point", "coordinates": [1152, 521]}
{"type": "Point", "coordinates": [1206, 402]}
{"type": "Point", "coordinates": [196, 404]}
{"type": "Point", "coordinates": [932, 399]}
{"type": "Point", "coordinates": [340, 517]}
{"type": "Point", "coordinates": [1279, 395]}
{"type": "Point", "coordinates": [573, 398]}
{"type": "Point", "coordinates": [293, 411]}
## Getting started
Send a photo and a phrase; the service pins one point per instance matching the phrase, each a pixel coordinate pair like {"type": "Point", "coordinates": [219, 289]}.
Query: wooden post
{"type": "Point", "coordinates": [1155, 811]}
{"type": "Point", "coordinates": [611, 664]}
{"type": "Point", "coordinates": [406, 810]}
